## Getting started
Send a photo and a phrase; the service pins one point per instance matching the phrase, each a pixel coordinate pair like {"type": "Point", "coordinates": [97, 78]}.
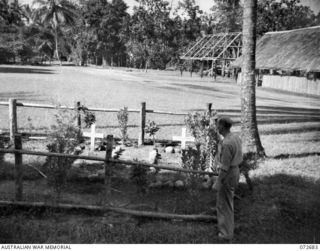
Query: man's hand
{"type": "Point", "coordinates": [216, 186]}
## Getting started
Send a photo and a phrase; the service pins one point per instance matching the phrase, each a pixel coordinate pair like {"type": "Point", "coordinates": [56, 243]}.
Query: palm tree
{"type": "Point", "coordinates": [56, 13]}
{"type": "Point", "coordinates": [249, 129]}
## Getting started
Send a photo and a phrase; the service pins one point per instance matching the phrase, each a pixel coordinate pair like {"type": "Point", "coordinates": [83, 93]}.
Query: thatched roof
{"type": "Point", "coordinates": [288, 50]}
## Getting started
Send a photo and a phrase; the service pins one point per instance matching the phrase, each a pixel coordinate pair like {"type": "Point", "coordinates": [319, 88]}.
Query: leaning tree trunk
{"type": "Point", "coordinates": [249, 130]}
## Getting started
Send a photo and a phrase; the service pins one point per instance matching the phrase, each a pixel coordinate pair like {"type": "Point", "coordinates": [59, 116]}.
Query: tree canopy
{"type": "Point", "coordinates": [153, 35]}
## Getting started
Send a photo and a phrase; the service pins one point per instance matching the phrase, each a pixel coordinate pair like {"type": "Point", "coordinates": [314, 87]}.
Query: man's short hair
{"type": "Point", "coordinates": [226, 122]}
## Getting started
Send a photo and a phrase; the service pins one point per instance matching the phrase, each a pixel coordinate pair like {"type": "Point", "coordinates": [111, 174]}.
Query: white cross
{"type": "Point", "coordinates": [183, 138]}
{"type": "Point", "coordinates": [93, 135]}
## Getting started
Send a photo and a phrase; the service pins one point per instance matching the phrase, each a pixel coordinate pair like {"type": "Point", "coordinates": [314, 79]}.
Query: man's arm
{"type": "Point", "coordinates": [225, 162]}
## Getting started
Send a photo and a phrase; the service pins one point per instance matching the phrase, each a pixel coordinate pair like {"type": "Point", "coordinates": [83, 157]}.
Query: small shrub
{"type": "Point", "coordinates": [152, 129]}
{"type": "Point", "coordinates": [123, 117]}
{"type": "Point", "coordinates": [203, 129]}
{"type": "Point", "coordinates": [89, 118]}
{"type": "Point", "coordinates": [139, 177]}
{"type": "Point", "coordinates": [64, 138]}
{"type": "Point", "coordinates": [193, 159]}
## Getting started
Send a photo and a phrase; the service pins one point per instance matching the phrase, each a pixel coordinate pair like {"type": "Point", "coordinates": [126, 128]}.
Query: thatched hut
{"type": "Point", "coordinates": [288, 60]}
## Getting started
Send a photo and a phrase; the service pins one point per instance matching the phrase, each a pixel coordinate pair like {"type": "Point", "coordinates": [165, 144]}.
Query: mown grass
{"type": "Point", "coordinates": [282, 208]}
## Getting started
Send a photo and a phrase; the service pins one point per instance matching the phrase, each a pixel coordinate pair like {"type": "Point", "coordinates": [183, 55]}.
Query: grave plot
{"type": "Point", "coordinates": [119, 174]}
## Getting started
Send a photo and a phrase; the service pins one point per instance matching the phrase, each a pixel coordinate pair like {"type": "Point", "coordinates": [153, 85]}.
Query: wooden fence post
{"type": "Point", "coordinates": [18, 172]}
{"type": "Point", "coordinates": [142, 123]}
{"type": "Point", "coordinates": [13, 118]}
{"type": "Point", "coordinates": [209, 108]}
{"type": "Point", "coordinates": [78, 105]}
{"type": "Point", "coordinates": [108, 170]}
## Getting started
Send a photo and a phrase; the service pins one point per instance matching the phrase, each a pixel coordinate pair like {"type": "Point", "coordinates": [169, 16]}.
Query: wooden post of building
{"type": "Point", "coordinates": [142, 123]}
{"type": "Point", "coordinates": [108, 170]}
{"type": "Point", "coordinates": [223, 68]}
{"type": "Point", "coordinates": [78, 105]}
{"type": "Point", "coordinates": [215, 71]}
{"type": "Point", "coordinates": [18, 172]}
{"type": "Point", "coordinates": [209, 108]}
{"type": "Point", "coordinates": [212, 69]}
{"type": "Point", "coordinates": [13, 119]}
{"type": "Point", "coordinates": [201, 69]}
{"type": "Point", "coordinates": [1, 154]}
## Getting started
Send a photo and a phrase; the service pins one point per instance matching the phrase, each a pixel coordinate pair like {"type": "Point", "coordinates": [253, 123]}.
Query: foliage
{"type": "Point", "coordinates": [123, 117]}
{"type": "Point", "coordinates": [151, 129]}
{"type": "Point", "coordinates": [139, 177]}
{"type": "Point", "coordinates": [89, 118]}
{"type": "Point", "coordinates": [106, 20]}
{"type": "Point", "coordinates": [56, 14]}
{"type": "Point", "coordinates": [193, 159]}
{"type": "Point", "coordinates": [154, 36]}
{"type": "Point", "coordinates": [273, 15]}
{"type": "Point", "coordinates": [64, 138]}
{"type": "Point", "coordinates": [203, 129]}
{"type": "Point", "coordinates": [201, 126]}
{"type": "Point", "coordinates": [190, 20]}
{"type": "Point", "coordinates": [227, 16]}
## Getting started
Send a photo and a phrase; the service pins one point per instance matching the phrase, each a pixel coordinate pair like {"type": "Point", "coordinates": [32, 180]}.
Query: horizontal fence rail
{"type": "Point", "coordinates": [116, 161]}
{"type": "Point", "coordinates": [102, 209]}
{"type": "Point", "coordinates": [13, 104]}
{"type": "Point", "coordinates": [93, 109]}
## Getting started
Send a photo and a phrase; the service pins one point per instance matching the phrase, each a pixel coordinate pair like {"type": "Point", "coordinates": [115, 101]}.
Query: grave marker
{"type": "Point", "coordinates": [93, 135]}
{"type": "Point", "coordinates": [183, 138]}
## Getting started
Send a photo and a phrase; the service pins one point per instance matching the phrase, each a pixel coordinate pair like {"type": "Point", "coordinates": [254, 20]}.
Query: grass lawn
{"type": "Point", "coordinates": [282, 208]}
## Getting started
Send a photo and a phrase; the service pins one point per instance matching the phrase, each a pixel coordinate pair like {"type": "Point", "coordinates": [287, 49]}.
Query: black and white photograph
{"type": "Point", "coordinates": [159, 122]}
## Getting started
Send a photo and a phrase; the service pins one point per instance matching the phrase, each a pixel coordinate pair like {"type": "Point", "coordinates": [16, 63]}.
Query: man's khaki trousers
{"type": "Point", "coordinates": [225, 194]}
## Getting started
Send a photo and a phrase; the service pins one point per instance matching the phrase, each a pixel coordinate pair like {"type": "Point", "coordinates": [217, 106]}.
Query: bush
{"type": "Point", "coordinates": [123, 117]}
{"type": "Point", "coordinates": [203, 129]}
{"type": "Point", "coordinates": [89, 118]}
{"type": "Point", "coordinates": [139, 177]}
{"type": "Point", "coordinates": [151, 129]}
{"type": "Point", "coordinates": [64, 138]}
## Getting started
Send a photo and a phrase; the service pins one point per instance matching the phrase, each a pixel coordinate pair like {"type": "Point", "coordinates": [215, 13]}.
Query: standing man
{"type": "Point", "coordinates": [229, 158]}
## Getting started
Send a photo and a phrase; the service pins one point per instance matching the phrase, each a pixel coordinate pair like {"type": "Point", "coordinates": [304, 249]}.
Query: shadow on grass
{"type": "Point", "coordinates": [26, 70]}
{"type": "Point", "coordinates": [282, 209]}
{"type": "Point", "coordinates": [22, 95]}
{"type": "Point", "coordinates": [301, 129]}
{"type": "Point", "coordinates": [204, 88]}
{"type": "Point", "coordinates": [271, 115]}
{"type": "Point", "coordinates": [296, 155]}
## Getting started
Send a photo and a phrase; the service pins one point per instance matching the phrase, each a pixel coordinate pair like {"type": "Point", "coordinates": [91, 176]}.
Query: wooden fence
{"type": "Point", "coordinates": [18, 174]}
{"type": "Point", "coordinates": [292, 83]}
{"type": "Point", "coordinates": [13, 104]}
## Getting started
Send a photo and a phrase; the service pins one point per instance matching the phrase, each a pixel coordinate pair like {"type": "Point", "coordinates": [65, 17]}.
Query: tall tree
{"type": "Point", "coordinates": [106, 19]}
{"type": "Point", "coordinates": [152, 34]}
{"type": "Point", "coordinates": [191, 19]}
{"type": "Point", "coordinates": [249, 128]}
{"type": "Point", "coordinates": [278, 15]}
{"type": "Point", "coordinates": [226, 15]}
{"type": "Point", "coordinates": [10, 25]}
{"type": "Point", "coordinates": [56, 13]}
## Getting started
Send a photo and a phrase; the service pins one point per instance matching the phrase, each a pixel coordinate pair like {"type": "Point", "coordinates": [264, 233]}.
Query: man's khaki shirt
{"type": "Point", "coordinates": [230, 154]}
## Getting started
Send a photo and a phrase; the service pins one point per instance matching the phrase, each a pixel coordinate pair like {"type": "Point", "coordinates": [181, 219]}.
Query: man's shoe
{"type": "Point", "coordinates": [222, 237]}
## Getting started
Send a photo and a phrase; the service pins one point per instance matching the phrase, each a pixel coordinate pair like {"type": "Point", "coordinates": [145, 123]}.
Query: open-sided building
{"type": "Point", "coordinates": [218, 50]}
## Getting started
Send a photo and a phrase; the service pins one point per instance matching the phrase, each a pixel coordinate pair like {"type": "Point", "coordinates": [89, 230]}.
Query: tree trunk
{"type": "Point", "coordinates": [249, 130]}
{"type": "Point", "coordinates": [104, 60]}
{"type": "Point", "coordinates": [57, 46]}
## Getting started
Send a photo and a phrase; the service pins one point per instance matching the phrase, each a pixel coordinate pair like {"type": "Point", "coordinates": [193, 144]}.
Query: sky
{"type": "Point", "coordinates": [205, 5]}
